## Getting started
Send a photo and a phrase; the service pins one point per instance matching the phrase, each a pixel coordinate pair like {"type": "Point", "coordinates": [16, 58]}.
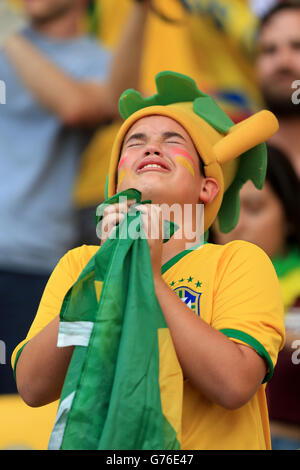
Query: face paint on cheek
{"type": "Point", "coordinates": [183, 162]}
{"type": "Point", "coordinates": [122, 161]}
{"type": "Point", "coordinates": [183, 153]}
{"type": "Point", "coordinates": [181, 156]}
{"type": "Point", "coordinates": [122, 175]}
{"type": "Point", "coordinates": [123, 170]}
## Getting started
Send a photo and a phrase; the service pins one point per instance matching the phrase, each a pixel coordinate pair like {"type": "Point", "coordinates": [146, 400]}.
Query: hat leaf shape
{"type": "Point", "coordinates": [252, 166]}
{"type": "Point", "coordinates": [177, 88]}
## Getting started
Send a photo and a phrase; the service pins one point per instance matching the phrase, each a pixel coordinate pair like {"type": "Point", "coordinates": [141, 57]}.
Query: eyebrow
{"type": "Point", "coordinates": [168, 135]}
{"type": "Point", "coordinates": [165, 136]}
{"type": "Point", "coordinates": [136, 136]}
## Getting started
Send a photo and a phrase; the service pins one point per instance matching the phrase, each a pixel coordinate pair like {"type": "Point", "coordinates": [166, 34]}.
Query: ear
{"type": "Point", "coordinates": [209, 190]}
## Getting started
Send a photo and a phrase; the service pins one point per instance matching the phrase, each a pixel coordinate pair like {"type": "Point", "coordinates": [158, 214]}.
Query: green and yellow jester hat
{"type": "Point", "coordinates": [231, 153]}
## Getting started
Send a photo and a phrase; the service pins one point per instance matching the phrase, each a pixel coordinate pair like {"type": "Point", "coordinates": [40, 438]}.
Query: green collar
{"type": "Point", "coordinates": [178, 257]}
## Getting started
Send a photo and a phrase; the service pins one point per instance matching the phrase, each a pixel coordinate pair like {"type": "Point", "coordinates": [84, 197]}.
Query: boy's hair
{"type": "Point", "coordinates": [201, 164]}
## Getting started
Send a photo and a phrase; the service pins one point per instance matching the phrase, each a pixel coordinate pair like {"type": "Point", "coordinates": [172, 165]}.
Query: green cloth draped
{"type": "Point", "coordinates": [111, 394]}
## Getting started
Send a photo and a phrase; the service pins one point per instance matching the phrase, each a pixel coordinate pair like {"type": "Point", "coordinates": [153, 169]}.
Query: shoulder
{"type": "Point", "coordinates": [235, 251]}
{"type": "Point", "coordinates": [238, 249]}
{"type": "Point", "coordinates": [75, 260]}
{"type": "Point", "coordinates": [239, 258]}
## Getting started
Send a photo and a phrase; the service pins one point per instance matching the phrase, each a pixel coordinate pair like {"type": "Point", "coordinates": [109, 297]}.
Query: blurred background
{"type": "Point", "coordinates": [65, 64]}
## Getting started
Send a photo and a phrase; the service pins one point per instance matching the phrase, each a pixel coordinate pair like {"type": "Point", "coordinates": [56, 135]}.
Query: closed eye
{"type": "Point", "coordinates": [173, 137]}
{"type": "Point", "coordinates": [135, 139]}
{"type": "Point", "coordinates": [134, 144]}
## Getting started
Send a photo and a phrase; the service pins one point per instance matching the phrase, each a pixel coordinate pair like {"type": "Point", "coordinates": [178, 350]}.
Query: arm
{"type": "Point", "coordinates": [125, 70]}
{"type": "Point", "coordinates": [75, 102]}
{"type": "Point", "coordinates": [42, 366]}
{"type": "Point", "coordinates": [227, 373]}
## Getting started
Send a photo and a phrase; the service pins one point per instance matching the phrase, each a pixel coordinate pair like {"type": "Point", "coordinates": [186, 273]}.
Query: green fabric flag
{"type": "Point", "coordinates": [111, 396]}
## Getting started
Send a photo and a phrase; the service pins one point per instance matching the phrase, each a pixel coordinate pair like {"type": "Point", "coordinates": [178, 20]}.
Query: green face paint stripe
{"type": "Point", "coordinates": [259, 348]}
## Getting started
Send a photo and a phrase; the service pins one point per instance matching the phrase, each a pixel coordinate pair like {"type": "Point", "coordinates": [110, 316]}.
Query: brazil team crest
{"type": "Point", "coordinates": [190, 297]}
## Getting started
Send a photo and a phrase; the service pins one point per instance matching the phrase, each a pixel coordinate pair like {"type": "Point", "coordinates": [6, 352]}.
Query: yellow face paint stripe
{"type": "Point", "coordinates": [182, 161]}
{"type": "Point", "coordinates": [122, 174]}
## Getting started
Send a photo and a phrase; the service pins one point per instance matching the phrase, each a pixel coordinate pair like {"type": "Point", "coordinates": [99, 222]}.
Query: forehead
{"type": "Point", "coordinates": [157, 125]}
{"type": "Point", "coordinates": [282, 25]}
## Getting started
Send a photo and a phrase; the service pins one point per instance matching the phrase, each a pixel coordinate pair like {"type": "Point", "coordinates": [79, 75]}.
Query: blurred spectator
{"type": "Point", "coordinates": [59, 87]}
{"type": "Point", "coordinates": [278, 72]}
{"type": "Point", "coordinates": [270, 218]}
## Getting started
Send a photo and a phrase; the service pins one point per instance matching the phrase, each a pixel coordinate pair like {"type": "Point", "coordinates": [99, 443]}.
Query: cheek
{"type": "Point", "coordinates": [185, 163]}
{"type": "Point", "coordinates": [269, 231]}
{"type": "Point", "coordinates": [128, 158]}
{"type": "Point", "coordinates": [275, 227]}
{"type": "Point", "coordinates": [124, 167]}
{"type": "Point", "coordinates": [124, 160]}
{"type": "Point", "coordinates": [271, 219]}
{"type": "Point", "coordinates": [184, 159]}
{"type": "Point", "coordinates": [264, 67]}
{"type": "Point", "coordinates": [123, 173]}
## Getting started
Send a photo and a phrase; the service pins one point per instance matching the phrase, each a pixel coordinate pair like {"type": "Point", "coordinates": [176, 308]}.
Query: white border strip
{"type": "Point", "coordinates": [74, 333]}
{"type": "Point", "coordinates": [57, 435]}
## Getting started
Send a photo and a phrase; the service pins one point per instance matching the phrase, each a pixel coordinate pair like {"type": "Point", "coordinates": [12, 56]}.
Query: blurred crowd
{"type": "Point", "coordinates": [64, 64]}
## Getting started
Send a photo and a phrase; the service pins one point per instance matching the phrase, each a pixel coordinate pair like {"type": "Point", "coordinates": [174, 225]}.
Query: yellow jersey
{"type": "Point", "coordinates": [234, 288]}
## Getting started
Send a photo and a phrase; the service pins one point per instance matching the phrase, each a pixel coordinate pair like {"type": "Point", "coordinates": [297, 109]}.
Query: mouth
{"type": "Point", "coordinates": [152, 164]}
{"type": "Point", "coordinates": [283, 76]}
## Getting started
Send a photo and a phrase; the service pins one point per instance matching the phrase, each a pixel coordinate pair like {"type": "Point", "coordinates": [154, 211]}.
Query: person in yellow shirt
{"type": "Point", "coordinates": [222, 304]}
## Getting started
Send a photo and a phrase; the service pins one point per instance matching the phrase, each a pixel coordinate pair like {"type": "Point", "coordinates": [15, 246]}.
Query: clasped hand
{"type": "Point", "coordinates": [152, 220]}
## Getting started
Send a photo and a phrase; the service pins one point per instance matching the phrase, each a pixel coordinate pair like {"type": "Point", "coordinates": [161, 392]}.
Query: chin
{"type": "Point", "coordinates": [148, 189]}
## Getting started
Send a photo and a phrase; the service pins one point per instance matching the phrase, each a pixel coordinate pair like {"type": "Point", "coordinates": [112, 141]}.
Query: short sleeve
{"type": "Point", "coordinates": [248, 305]}
{"type": "Point", "coordinates": [61, 280]}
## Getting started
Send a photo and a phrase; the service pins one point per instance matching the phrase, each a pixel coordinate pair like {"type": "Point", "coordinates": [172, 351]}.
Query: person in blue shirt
{"type": "Point", "coordinates": [60, 86]}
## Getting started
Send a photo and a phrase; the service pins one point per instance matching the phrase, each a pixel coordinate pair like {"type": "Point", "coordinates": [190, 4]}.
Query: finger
{"type": "Point", "coordinates": [152, 221]}
{"type": "Point", "coordinates": [118, 207]}
{"type": "Point", "coordinates": [109, 223]}
{"type": "Point", "coordinates": [112, 219]}
{"type": "Point", "coordinates": [141, 208]}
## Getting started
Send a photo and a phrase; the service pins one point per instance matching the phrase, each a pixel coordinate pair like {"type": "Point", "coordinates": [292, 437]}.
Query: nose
{"type": "Point", "coordinates": [152, 150]}
{"type": "Point", "coordinates": [285, 58]}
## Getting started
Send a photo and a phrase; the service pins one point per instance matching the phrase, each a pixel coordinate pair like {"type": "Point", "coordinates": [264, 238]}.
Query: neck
{"type": "Point", "coordinates": [190, 225]}
{"type": "Point", "coordinates": [66, 26]}
{"type": "Point", "coordinates": [182, 240]}
{"type": "Point", "coordinates": [287, 139]}
{"type": "Point", "coordinates": [173, 247]}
